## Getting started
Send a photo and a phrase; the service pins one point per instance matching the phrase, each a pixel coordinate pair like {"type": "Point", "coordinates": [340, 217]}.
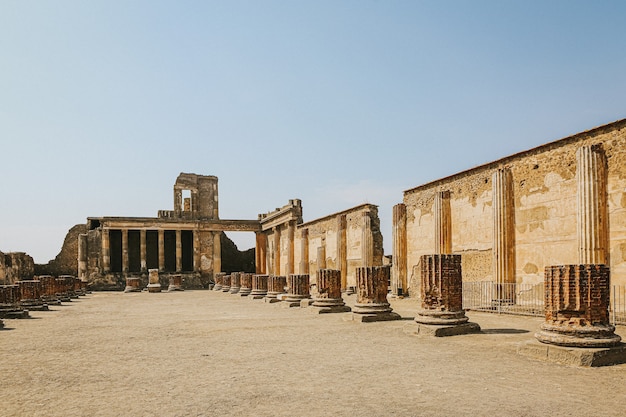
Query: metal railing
{"type": "Point", "coordinates": [527, 299]}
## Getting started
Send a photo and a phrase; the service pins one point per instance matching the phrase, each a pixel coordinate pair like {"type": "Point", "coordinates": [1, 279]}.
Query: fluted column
{"type": "Point", "coordinates": [328, 298]}
{"type": "Point", "coordinates": [371, 303]}
{"type": "Point", "coordinates": [260, 253]}
{"type": "Point", "coordinates": [275, 285]}
{"type": "Point", "coordinates": [503, 235]}
{"type": "Point", "coordinates": [142, 250]}
{"type": "Point", "coordinates": [297, 290]}
{"type": "Point", "coordinates": [291, 227]}
{"type": "Point", "coordinates": [342, 249]}
{"type": "Point", "coordinates": [367, 241]}
{"type": "Point", "coordinates": [235, 282]}
{"type": "Point", "coordinates": [179, 251]}
{"type": "Point", "coordinates": [443, 223]}
{"type": "Point", "coordinates": [217, 253]}
{"type": "Point", "coordinates": [398, 272]}
{"type": "Point", "coordinates": [592, 218]}
{"type": "Point", "coordinates": [106, 251]}
{"type": "Point", "coordinates": [161, 234]}
{"type": "Point", "coordinates": [304, 251]}
{"type": "Point", "coordinates": [245, 284]}
{"type": "Point", "coordinates": [219, 281]}
{"type": "Point", "coordinates": [277, 234]}
{"type": "Point", "coordinates": [259, 286]}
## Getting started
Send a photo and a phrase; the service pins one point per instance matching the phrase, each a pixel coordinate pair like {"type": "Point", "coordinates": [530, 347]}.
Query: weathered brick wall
{"type": "Point", "coordinates": [544, 188]}
{"type": "Point", "coordinates": [66, 262]}
{"type": "Point", "coordinates": [15, 266]}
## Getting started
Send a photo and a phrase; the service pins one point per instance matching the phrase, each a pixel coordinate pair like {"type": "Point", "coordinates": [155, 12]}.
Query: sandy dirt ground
{"type": "Point", "coordinates": [204, 353]}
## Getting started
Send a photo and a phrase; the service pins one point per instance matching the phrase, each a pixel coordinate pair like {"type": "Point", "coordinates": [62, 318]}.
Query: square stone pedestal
{"type": "Point", "coordinates": [271, 300]}
{"type": "Point", "coordinates": [420, 329]}
{"type": "Point", "coordinates": [329, 309]}
{"type": "Point", "coordinates": [572, 355]}
{"type": "Point", "coordinates": [370, 318]}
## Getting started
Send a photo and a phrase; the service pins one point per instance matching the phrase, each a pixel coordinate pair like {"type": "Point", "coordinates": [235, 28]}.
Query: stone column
{"type": "Point", "coordinates": [82, 257]}
{"type": "Point", "coordinates": [367, 241]}
{"type": "Point", "coordinates": [30, 295]}
{"type": "Point", "coordinates": [219, 281]}
{"type": "Point", "coordinates": [142, 250]}
{"type": "Point", "coordinates": [291, 227]}
{"type": "Point", "coordinates": [260, 253]}
{"type": "Point", "coordinates": [399, 258]}
{"type": "Point", "coordinates": [161, 233]}
{"type": "Point", "coordinates": [503, 236]}
{"type": "Point", "coordinates": [342, 249]}
{"type": "Point", "coordinates": [217, 253]}
{"type": "Point", "coordinates": [328, 298]}
{"type": "Point", "coordinates": [133, 284]}
{"type": "Point", "coordinates": [442, 311]}
{"type": "Point", "coordinates": [321, 257]}
{"type": "Point", "coordinates": [48, 290]}
{"type": "Point", "coordinates": [443, 223]}
{"type": "Point", "coordinates": [577, 307]}
{"type": "Point", "coordinates": [275, 286]}
{"type": "Point", "coordinates": [106, 251]}
{"type": "Point", "coordinates": [297, 290]}
{"type": "Point", "coordinates": [245, 283]}
{"type": "Point", "coordinates": [226, 283]}
{"type": "Point", "coordinates": [179, 251]}
{"type": "Point", "coordinates": [277, 250]}
{"type": "Point", "coordinates": [259, 287]}
{"type": "Point", "coordinates": [125, 251]}
{"type": "Point", "coordinates": [304, 251]}
{"type": "Point", "coordinates": [235, 282]}
{"type": "Point", "coordinates": [196, 251]}
{"type": "Point", "coordinates": [154, 285]}
{"type": "Point", "coordinates": [592, 218]}
{"type": "Point", "coordinates": [176, 283]}
{"type": "Point", "coordinates": [371, 304]}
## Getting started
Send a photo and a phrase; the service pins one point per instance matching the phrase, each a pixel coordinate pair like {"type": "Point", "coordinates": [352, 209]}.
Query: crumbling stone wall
{"type": "Point", "coordinates": [16, 266]}
{"type": "Point", "coordinates": [544, 210]}
{"type": "Point", "coordinates": [66, 262]}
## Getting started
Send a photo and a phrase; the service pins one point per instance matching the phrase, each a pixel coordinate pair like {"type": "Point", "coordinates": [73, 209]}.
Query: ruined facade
{"type": "Point", "coordinates": [15, 266]}
{"type": "Point", "coordinates": [186, 240]}
{"type": "Point", "coordinates": [557, 204]}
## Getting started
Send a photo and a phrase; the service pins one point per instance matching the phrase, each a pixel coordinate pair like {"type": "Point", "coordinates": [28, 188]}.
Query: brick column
{"type": "Point", "coordinates": [106, 251]}
{"type": "Point", "coordinates": [133, 284]}
{"type": "Point", "coordinates": [142, 250]}
{"type": "Point", "coordinates": [176, 283]}
{"type": "Point", "coordinates": [367, 241]}
{"type": "Point", "coordinates": [226, 283]}
{"type": "Point", "coordinates": [154, 285]}
{"type": "Point", "coordinates": [259, 287]}
{"type": "Point", "coordinates": [124, 251]}
{"type": "Point", "coordinates": [276, 270]}
{"type": "Point", "coordinates": [245, 282]}
{"type": "Point", "coordinates": [304, 252]}
{"type": "Point", "coordinates": [289, 269]}
{"type": "Point", "coordinates": [217, 253]}
{"type": "Point", "coordinates": [371, 304]}
{"type": "Point", "coordinates": [342, 249]}
{"type": "Point", "coordinates": [592, 213]}
{"type": "Point", "coordinates": [275, 285]}
{"type": "Point", "coordinates": [219, 280]}
{"type": "Point", "coordinates": [30, 295]}
{"type": "Point", "coordinates": [297, 290]}
{"type": "Point", "coordinates": [328, 298]}
{"type": "Point", "coordinates": [443, 223]}
{"type": "Point", "coordinates": [503, 236]}
{"type": "Point", "coordinates": [179, 251]}
{"type": "Point", "coordinates": [577, 307]}
{"type": "Point", "coordinates": [260, 253]}
{"type": "Point", "coordinates": [161, 234]}
{"type": "Point", "coordinates": [235, 282]}
{"type": "Point", "coordinates": [398, 272]}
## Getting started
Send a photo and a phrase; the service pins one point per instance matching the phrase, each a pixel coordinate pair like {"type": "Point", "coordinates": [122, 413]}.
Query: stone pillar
{"type": "Point", "coordinates": [245, 282]}
{"type": "Point", "coordinates": [219, 281]}
{"type": "Point", "coordinates": [342, 249]}
{"type": "Point", "coordinates": [142, 250]}
{"type": "Point", "coordinates": [328, 298]}
{"type": "Point", "coordinates": [399, 258]}
{"type": "Point", "coordinates": [196, 251]}
{"type": "Point", "coordinates": [82, 257]}
{"type": "Point", "coordinates": [577, 307]}
{"type": "Point", "coordinates": [62, 290]}
{"type": "Point", "coordinates": [260, 253]}
{"type": "Point", "coordinates": [297, 290]}
{"type": "Point", "coordinates": [367, 241]}
{"type": "Point", "coordinates": [275, 285]}
{"type": "Point", "coordinates": [226, 283]}
{"type": "Point", "coordinates": [503, 236]}
{"type": "Point", "coordinates": [133, 284]}
{"type": "Point", "coordinates": [106, 251]}
{"type": "Point", "coordinates": [176, 283]}
{"type": "Point", "coordinates": [291, 227]}
{"type": "Point", "coordinates": [235, 282]}
{"type": "Point", "coordinates": [217, 253]}
{"type": "Point", "coordinates": [443, 223]}
{"type": "Point", "coordinates": [179, 251]}
{"type": "Point", "coordinates": [30, 295]}
{"type": "Point", "coordinates": [153, 280]}
{"type": "Point", "coordinates": [10, 303]}
{"type": "Point", "coordinates": [442, 311]}
{"type": "Point", "coordinates": [125, 251]}
{"type": "Point", "coordinates": [259, 287]}
{"type": "Point", "coordinates": [276, 251]}
{"type": "Point", "coordinates": [161, 233]}
{"type": "Point", "coordinates": [592, 210]}
{"type": "Point", "coordinates": [48, 290]}
{"type": "Point", "coordinates": [371, 304]}
{"type": "Point", "coordinates": [321, 257]}
{"type": "Point", "coordinates": [304, 252]}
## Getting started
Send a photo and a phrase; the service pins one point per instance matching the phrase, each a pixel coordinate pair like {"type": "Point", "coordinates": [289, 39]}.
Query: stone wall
{"type": "Point", "coordinates": [542, 210]}
{"type": "Point", "coordinates": [15, 266]}
{"type": "Point", "coordinates": [66, 262]}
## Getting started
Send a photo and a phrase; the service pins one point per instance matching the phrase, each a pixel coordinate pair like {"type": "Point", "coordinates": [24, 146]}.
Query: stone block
{"type": "Point", "coordinates": [419, 329]}
{"type": "Point", "coordinates": [584, 357]}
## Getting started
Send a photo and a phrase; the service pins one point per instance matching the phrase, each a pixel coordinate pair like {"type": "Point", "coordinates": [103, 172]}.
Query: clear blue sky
{"type": "Point", "coordinates": [104, 102]}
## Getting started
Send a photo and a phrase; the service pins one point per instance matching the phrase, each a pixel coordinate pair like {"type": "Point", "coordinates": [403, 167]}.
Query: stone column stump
{"type": "Point", "coordinates": [275, 286]}
{"type": "Point", "coordinates": [219, 280]}
{"type": "Point", "coordinates": [176, 283]}
{"type": "Point", "coordinates": [10, 303]}
{"type": "Point", "coordinates": [61, 289]}
{"type": "Point", "coordinates": [30, 295]}
{"type": "Point", "coordinates": [48, 290]}
{"type": "Point", "coordinates": [442, 311]}
{"type": "Point", "coordinates": [259, 287]}
{"type": "Point", "coordinates": [235, 282]}
{"type": "Point", "coordinates": [153, 280]}
{"type": "Point", "coordinates": [69, 285]}
{"type": "Point", "coordinates": [297, 290]}
{"type": "Point", "coordinates": [328, 298]}
{"type": "Point", "coordinates": [371, 304]}
{"type": "Point", "coordinates": [133, 284]}
{"type": "Point", "coordinates": [226, 283]}
{"type": "Point", "coordinates": [245, 282]}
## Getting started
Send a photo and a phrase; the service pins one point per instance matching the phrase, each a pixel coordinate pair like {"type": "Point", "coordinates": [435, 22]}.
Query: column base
{"type": "Point", "coordinates": [154, 287]}
{"type": "Point", "coordinates": [234, 290]}
{"type": "Point", "coordinates": [217, 287]}
{"type": "Point", "coordinates": [593, 336]}
{"type": "Point", "coordinates": [574, 355]}
{"type": "Point", "coordinates": [441, 318]}
{"type": "Point", "coordinates": [329, 309]}
{"type": "Point", "coordinates": [257, 295]}
{"type": "Point", "coordinates": [271, 300]}
{"type": "Point", "coordinates": [420, 329]}
{"type": "Point", "coordinates": [293, 300]}
{"type": "Point", "coordinates": [132, 289]}
{"type": "Point", "coordinates": [14, 314]}
{"type": "Point", "coordinates": [373, 317]}
{"type": "Point", "coordinates": [172, 288]}
{"type": "Point", "coordinates": [244, 292]}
